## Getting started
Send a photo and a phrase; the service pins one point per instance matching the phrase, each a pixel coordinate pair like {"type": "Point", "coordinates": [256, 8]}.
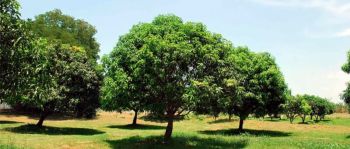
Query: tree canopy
{"type": "Point", "coordinates": [254, 85]}
{"type": "Point", "coordinates": [320, 107]}
{"type": "Point", "coordinates": [158, 61]}
{"type": "Point", "coordinates": [58, 27]}
{"type": "Point", "coordinates": [60, 82]}
{"type": "Point", "coordinates": [42, 75]}
{"type": "Point", "coordinates": [297, 106]}
{"type": "Point", "coordinates": [15, 53]}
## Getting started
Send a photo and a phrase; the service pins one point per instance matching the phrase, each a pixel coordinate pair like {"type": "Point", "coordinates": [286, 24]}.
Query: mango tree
{"type": "Point", "coordinates": [158, 62]}
{"type": "Point", "coordinates": [57, 27]}
{"type": "Point", "coordinates": [253, 84]}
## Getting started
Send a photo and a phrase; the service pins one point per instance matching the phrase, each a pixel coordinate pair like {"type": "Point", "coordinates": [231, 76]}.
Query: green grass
{"type": "Point", "coordinates": [111, 130]}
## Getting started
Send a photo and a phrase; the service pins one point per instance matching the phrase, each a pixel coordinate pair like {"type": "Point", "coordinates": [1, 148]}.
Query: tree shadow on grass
{"type": "Point", "coordinates": [348, 137]}
{"type": "Point", "coordinates": [36, 115]}
{"type": "Point", "coordinates": [160, 119]}
{"type": "Point", "coordinates": [324, 121]}
{"type": "Point", "coordinates": [138, 126]}
{"type": "Point", "coordinates": [8, 122]}
{"type": "Point", "coordinates": [275, 120]}
{"type": "Point", "coordinates": [309, 122]}
{"type": "Point", "coordinates": [234, 132]}
{"type": "Point", "coordinates": [49, 130]}
{"type": "Point", "coordinates": [222, 121]}
{"type": "Point", "coordinates": [176, 142]}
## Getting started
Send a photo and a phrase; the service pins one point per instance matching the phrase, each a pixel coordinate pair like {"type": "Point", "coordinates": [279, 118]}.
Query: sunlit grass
{"type": "Point", "coordinates": [112, 130]}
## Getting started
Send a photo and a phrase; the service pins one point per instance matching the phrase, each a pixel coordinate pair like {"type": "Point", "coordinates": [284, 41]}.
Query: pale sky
{"type": "Point", "coordinates": [308, 38]}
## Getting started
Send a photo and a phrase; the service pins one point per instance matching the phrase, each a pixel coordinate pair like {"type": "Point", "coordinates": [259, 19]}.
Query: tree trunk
{"type": "Point", "coordinates": [43, 116]}
{"type": "Point", "coordinates": [303, 118]}
{"type": "Point", "coordinates": [291, 119]}
{"type": "Point", "coordinates": [134, 121]}
{"type": "Point", "coordinates": [311, 116]}
{"type": "Point", "coordinates": [240, 128]}
{"type": "Point", "coordinates": [169, 128]}
{"type": "Point", "coordinates": [229, 117]}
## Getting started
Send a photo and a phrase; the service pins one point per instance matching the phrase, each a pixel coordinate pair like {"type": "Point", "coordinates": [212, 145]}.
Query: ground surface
{"type": "Point", "coordinates": [110, 130]}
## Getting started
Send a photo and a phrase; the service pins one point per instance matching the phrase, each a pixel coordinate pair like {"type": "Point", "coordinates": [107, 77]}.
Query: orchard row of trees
{"type": "Point", "coordinates": [304, 105]}
{"type": "Point", "coordinates": [167, 67]}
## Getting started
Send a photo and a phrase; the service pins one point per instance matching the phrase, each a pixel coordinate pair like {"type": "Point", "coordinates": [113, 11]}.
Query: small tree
{"type": "Point", "coordinates": [305, 108]}
{"type": "Point", "coordinates": [319, 106]}
{"type": "Point", "coordinates": [123, 90]}
{"type": "Point", "coordinates": [253, 84]}
{"type": "Point", "coordinates": [292, 108]}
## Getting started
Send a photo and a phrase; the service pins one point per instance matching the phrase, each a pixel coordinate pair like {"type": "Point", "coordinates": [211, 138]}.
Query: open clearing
{"type": "Point", "coordinates": [111, 130]}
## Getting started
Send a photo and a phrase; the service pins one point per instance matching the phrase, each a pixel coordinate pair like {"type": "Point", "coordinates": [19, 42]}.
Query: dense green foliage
{"type": "Point", "coordinates": [297, 106]}
{"type": "Point", "coordinates": [158, 61]}
{"type": "Point", "coordinates": [255, 85]}
{"type": "Point", "coordinates": [346, 92]}
{"type": "Point", "coordinates": [320, 106]}
{"type": "Point", "coordinates": [303, 105]}
{"type": "Point", "coordinates": [58, 27]}
{"type": "Point", "coordinates": [48, 77]}
{"type": "Point", "coordinates": [15, 54]}
{"type": "Point", "coordinates": [60, 82]}
{"type": "Point", "coordinates": [247, 83]}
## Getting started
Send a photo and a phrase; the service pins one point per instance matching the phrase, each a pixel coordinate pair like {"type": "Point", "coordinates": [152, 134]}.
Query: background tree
{"type": "Point", "coordinates": [292, 108]}
{"type": "Point", "coordinates": [169, 55]}
{"type": "Point", "coordinates": [324, 108]}
{"type": "Point", "coordinates": [319, 106]}
{"type": "Point", "coordinates": [58, 27]}
{"type": "Point", "coordinates": [341, 108]}
{"type": "Point", "coordinates": [124, 88]}
{"type": "Point", "coordinates": [60, 78]}
{"type": "Point", "coordinates": [252, 84]}
{"type": "Point", "coordinates": [305, 108]}
{"type": "Point", "coordinates": [346, 93]}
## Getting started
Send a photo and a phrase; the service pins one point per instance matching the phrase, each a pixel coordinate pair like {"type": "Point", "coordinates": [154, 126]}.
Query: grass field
{"type": "Point", "coordinates": [111, 130]}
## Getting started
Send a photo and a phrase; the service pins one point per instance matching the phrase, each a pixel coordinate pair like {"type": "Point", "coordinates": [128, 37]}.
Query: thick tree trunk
{"type": "Point", "coordinates": [240, 128]}
{"type": "Point", "coordinates": [134, 121]}
{"type": "Point", "coordinates": [169, 128]}
{"type": "Point", "coordinates": [43, 116]}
